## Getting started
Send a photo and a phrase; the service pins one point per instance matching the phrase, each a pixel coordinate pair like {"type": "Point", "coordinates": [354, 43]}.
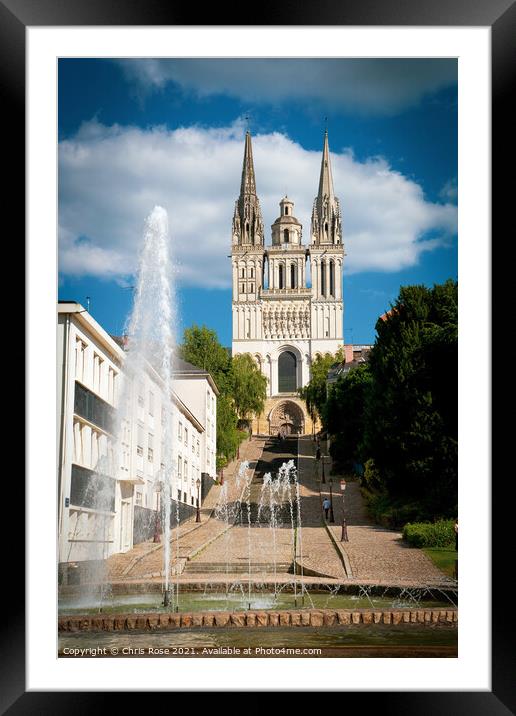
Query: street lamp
{"type": "Point", "coordinates": [323, 479]}
{"type": "Point", "coordinates": [344, 535]}
{"type": "Point", "coordinates": [198, 515]}
{"type": "Point", "coordinates": [332, 517]}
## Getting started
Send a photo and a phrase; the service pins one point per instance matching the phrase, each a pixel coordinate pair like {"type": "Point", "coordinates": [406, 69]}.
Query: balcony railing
{"type": "Point", "coordinates": [266, 292]}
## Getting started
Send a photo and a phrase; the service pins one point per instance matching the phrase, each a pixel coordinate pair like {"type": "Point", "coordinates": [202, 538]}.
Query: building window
{"type": "Point", "coordinates": [243, 273]}
{"type": "Point", "coordinates": [252, 273]}
{"type": "Point", "coordinates": [186, 437]}
{"type": "Point", "coordinates": [287, 370]}
{"type": "Point", "coordinates": [179, 466]}
{"type": "Point", "coordinates": [323, 278]}
{"type": "Point", "coordinates": [138, 500]}
{"type": "Point", "coordinates": [243, 288]}
{"type": "Point", "coordinates": [285, 236]}
{"type": "Point", "coordinates": [252, 288]}
{"type": "Point", "coordinates": [179, 495]}
{"type": "Point", "coordinates": [198, 448]}
{"type": "Point", "coordinates": [286, 210]}
{"type": "Point", "coordinates": [332, 278]}
{"type": "Point", "coordinates": [150, 448]}
{"type": "Point", "coordinates": [185, 470]}
{"type": "Point", "coordinates": [292, 276]}
{"type": "Point", "coordinates": [281, 279]}
{"type": "Point", "coordinates": [248, 328]}
{"type": "Point", "coordinates": [180, 431]}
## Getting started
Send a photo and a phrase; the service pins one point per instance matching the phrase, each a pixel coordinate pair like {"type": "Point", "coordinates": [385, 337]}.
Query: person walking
{"type": "Point", "coordinates": [326, 506]}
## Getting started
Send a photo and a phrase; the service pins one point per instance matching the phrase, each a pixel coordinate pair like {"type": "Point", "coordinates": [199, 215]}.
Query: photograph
{"type": "Point", "coordinates": [257, 357]}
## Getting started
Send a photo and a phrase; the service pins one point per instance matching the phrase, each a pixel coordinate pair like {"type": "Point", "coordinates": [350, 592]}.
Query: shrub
{"type": "Point", "coordinates": [371, 477]}
{"type": "Point", "coordinates": [430, 534]}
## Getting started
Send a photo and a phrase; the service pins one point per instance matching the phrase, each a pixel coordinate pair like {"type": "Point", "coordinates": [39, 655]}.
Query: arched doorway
{"type": "Point", "coordinates": [287, 418]}
{"type": "Point", "coordinates": [287, 372]}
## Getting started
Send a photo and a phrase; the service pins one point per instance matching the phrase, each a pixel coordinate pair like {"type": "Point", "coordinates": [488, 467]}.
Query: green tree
{"type": "Point", "coordinates": [315, 392]}
{"type": "Point", "coordinates": [201, 347]}
{"type": "Point", "coordinates": [411, 412]}
{"type": "Point", "coordinates": [249, 387]}
{"type": "Point", "coordinates": [344, 415]}
{"type": "Point", "coordinates": [228, 436]}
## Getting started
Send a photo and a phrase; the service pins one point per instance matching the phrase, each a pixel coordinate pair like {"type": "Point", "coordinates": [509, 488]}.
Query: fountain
{"type": "Point", "coordinates": [151, 342]}
{"type": "Point", "coordinates": [278, 523]}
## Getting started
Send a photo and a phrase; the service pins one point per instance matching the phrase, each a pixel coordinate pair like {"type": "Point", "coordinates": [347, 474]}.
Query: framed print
{"type": "Point", "coordinates": [260, 239]}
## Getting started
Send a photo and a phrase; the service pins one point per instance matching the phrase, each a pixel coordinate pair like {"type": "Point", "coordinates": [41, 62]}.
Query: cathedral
{"type": "Point", "coordinates": [278, 318]}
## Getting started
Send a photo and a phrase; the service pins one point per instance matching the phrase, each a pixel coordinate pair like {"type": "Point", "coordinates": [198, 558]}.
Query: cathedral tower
{"type": "Point", "coordinates": [277, 318]}
{"type": "Point", "coordinates": [326, 257]}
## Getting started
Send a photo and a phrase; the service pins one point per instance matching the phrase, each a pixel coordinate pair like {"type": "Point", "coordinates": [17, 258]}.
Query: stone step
{"type": "Point", "coordinates": [236, 567]}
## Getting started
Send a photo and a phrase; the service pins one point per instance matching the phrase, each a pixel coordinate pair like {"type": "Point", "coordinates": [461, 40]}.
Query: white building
{"type": "Point", "coordinates": [277, 317]}
{"type": "Point", "coordinates": [105, 507]}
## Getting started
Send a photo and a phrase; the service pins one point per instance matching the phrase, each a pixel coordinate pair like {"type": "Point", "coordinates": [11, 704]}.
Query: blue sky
{"type": "Point", "coordinates": [136, 133]}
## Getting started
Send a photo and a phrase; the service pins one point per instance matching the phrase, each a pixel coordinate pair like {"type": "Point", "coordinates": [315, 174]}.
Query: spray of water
{"type": "Point", "coordinates": [150, 347]}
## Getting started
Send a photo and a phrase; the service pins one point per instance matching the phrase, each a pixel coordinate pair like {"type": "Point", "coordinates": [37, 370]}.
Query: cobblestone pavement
{"type": "Point", "coordinates": [377, 555]}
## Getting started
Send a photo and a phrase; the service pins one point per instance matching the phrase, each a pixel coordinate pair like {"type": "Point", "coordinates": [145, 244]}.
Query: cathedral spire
{"type": "Point", "coordinates": [326, 219]}
{"type": "Point", "coordinates": [325, 179]}
{"type": "Point", "coordinates": [248, 184]}
{"type": "Point", "coordinates": [247, 219]}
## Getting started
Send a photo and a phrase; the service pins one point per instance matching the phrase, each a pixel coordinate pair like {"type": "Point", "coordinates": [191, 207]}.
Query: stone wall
{"type": "Point", "coordinates": [145, 520]}
{"type": "Point", "coordinates": [269, 618]}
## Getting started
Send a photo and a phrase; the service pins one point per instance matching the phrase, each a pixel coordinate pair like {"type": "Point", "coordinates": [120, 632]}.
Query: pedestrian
{"type": "Point", "coordinates": [326, 506]}
{"type": "Point", "coordinates": [318, 454]}
{"type": "Point", "coordinates": [457, 535]}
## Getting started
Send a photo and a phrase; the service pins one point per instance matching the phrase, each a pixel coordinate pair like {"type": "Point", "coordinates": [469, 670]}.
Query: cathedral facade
{"type": "Point", "coordinates": [279, 317]}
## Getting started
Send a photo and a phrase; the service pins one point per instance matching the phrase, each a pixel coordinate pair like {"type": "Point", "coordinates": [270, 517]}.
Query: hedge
{"type": "Point", "coordinates": [430, 534]}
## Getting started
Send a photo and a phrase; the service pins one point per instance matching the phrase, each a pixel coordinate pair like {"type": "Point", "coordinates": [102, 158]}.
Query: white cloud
{"type": "Point", "coordinates": [110, 178]}
{"type": "Point", "coordinates": [379, 86]}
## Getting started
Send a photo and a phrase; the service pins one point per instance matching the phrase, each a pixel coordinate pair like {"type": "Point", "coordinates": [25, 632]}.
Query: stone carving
{"type": "Point", "coordinates": [288, 323]}
{"type": "Point", "coordinates": [288, 418]}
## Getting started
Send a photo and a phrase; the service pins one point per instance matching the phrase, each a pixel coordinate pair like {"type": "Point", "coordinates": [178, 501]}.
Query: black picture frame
{"type": "Point", "coordinates": [500, 15]}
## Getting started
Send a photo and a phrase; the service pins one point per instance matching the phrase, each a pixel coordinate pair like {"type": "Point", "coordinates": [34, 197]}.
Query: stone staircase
{"type": "Point", "coordinates": [241, 567]}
